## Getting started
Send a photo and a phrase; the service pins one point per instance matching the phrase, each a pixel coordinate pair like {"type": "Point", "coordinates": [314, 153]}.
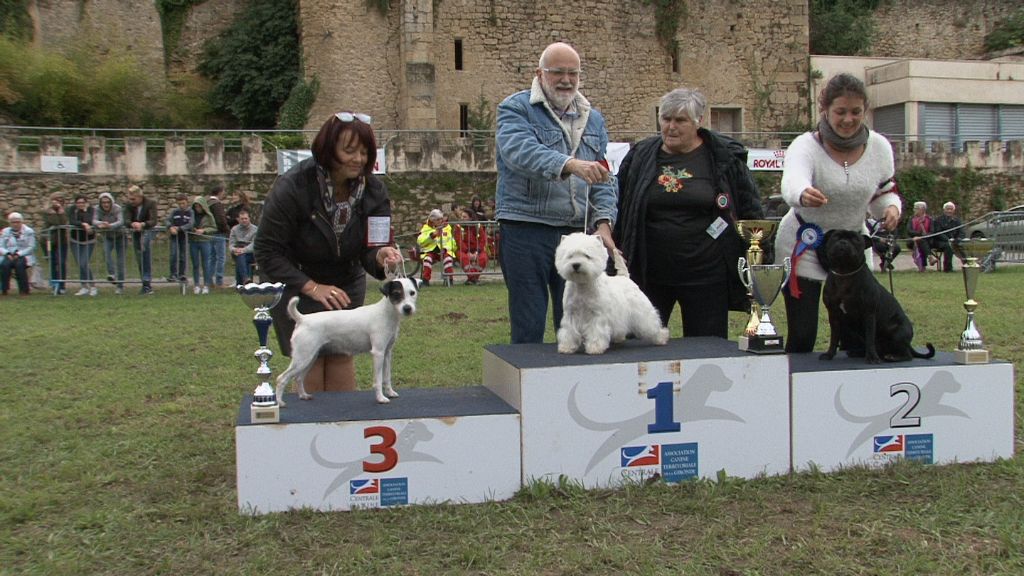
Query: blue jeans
{"type": "Point", "coordinates": [83, 256]}
{"type": "Point", "coordinates": [142, 242]}
{"type": "Point", "coordinates": [243, 267]}
{"type": "Point", "coordinates": [527, 255]}
{"type": "Point", "coordinates": [220, 250]}
{"type": "Point", "coordinates": [202, 255]}
{"type": "Point", "coordinates": [113, 245]}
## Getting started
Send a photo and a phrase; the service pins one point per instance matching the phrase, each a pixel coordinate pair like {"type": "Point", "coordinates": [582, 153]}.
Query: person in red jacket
{"type": "Point", "coordinates": [472, 241]}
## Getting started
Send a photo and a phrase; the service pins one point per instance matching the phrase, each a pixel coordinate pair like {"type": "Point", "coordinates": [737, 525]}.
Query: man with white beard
{"type": "Point", "coordinates": [552, 180]}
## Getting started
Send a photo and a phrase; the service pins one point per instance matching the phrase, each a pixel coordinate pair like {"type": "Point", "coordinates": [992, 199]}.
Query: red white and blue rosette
{"type": "Point", "coordinates": [808, 237]}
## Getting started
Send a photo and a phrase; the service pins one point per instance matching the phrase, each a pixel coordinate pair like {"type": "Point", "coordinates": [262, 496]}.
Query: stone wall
{"type": "Point", "coordinates": [940, 29]}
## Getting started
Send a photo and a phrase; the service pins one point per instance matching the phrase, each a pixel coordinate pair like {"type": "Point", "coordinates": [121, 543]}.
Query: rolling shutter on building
{"type": "Point", "coordinates": [936, 122]}
{"type": "Point", "coordinates": [975, 122]}
{"type": "Point", "coordinates": [1011, 122]}
{"type": "Point", "coordinates": [890, 122]}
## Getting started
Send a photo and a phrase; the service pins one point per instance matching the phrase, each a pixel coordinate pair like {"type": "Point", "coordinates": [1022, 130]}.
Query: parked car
{"type": "Point", "coordinates": [1006, 226]}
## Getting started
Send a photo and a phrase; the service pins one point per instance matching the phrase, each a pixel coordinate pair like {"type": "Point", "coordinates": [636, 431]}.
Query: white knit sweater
{"type": "Point", "coordinates": [851, 193]}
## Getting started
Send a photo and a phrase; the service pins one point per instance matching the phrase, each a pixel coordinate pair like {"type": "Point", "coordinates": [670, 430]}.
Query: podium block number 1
{"type": "Point", "coordinates": [663, 409]}
{"type": "Point", "coordinates": [385, 448]}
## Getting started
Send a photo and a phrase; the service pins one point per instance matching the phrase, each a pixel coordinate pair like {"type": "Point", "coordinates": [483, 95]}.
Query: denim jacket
{"type": "Point", "coordinates": [532, 151]}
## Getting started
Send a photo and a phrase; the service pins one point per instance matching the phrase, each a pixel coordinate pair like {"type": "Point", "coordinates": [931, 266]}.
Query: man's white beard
{"type": "Point", "coordinates": [558, 100]}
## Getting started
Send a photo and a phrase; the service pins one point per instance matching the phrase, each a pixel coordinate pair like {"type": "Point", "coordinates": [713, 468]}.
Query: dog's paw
{"type": "Point", "coordinates": [826, 356]}
{"type": "Point", "coordinates": [281, 402]}
{"type": "Point", "coordinates": [390, 392]}
{"type": "Point", "coordinates": [662, 337]}
{"type": "Point", "coordinates": [566, 348]}
{"type": "Point", "coordinates": [305, 396]}
{"type": "Point", "coordinates": [872, 359]}
{"type": "Point", "coordinates": [595, 347]}
{"type": "Point", "coordinates": [382, 399]}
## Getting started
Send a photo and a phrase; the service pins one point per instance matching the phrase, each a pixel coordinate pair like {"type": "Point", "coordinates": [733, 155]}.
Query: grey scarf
{"type": "Point", "coordinates": [838, 142]}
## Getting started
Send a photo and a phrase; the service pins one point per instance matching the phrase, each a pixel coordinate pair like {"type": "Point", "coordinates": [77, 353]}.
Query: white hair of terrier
{"type": "Point", "coordinates": [600, 309]}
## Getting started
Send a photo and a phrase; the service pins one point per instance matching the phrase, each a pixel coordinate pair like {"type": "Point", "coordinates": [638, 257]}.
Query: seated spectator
{"type": "Point", "coordinates": [240, 243]}
{"type": "Point", "coordinates": [472, 243]}
{"type": "Point", "coordinates": [17, 253]}
{"type": "Point", "coordinates": [951, 231]}
{"type": "Point", "coordinates": [83, 242]}
{"type": "Point", "coordinates": [437, 244]}
{"type": "Point", "coordinates": [919, 228]}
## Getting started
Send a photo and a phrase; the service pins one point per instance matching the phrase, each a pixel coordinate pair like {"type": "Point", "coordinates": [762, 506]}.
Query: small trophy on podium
{"type": "Point", "coordinates": [753, 231]}
{"type": "Point", "coordinates": [764, 282]}
{"type": "Point", "coordinates": [263, 297]}
{"type": "Point", "coordinates": [971, 349]}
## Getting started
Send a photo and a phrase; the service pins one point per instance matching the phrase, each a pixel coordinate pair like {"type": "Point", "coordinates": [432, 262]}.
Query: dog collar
{"type": "Point", "coordinates": [844, 274]}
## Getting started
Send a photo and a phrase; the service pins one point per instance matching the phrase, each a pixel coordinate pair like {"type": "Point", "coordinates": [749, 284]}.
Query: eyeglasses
{"type": "Point", "coordinates": [349, 117]}
{"type": "Point", "coordinates": [559, 72]}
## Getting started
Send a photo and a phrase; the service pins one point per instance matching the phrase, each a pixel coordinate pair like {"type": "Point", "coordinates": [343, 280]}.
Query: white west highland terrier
{"type": "Point", "coordinates": [600, 309]}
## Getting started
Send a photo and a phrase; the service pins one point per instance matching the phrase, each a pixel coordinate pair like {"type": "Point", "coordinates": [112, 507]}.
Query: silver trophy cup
{"type": "Point", "coordinates": [263, 297]}
{"type": "Point", "coordinates": [764, 281]}
{"type": "Point", "coordinates": [971, 348]}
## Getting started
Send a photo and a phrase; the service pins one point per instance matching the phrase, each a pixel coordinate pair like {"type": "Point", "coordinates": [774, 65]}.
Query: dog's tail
{"type": "Point", "coordinates": [293, 309]}
{"type": "Point", "coordinates": [929, 354]}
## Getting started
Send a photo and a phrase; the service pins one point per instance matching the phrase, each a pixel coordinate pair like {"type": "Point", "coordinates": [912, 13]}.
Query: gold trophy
{"type": "Point", "coordinates": [971, 349]}
{"type": "Point", "coordinates": [753, 231]}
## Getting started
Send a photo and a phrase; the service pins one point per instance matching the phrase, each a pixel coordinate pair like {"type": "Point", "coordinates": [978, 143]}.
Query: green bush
{"type": "Point", "coordinates": [841, 27]}
{"type": "Point", "coordinates": [295, 111]}
{"type": "Point", "coordinates": [1008, 33]}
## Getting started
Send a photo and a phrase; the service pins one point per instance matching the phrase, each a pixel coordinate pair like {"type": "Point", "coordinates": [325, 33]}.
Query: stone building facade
{"type": "Point", "coordinates": [940, 29]}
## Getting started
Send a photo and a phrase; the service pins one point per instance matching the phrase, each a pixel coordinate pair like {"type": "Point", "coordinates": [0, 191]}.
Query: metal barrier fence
{"type": "Point", "coordinates": [114, 261]}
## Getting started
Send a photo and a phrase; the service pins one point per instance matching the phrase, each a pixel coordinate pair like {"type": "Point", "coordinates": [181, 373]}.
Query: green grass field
{"type": "Point", "coordinates": [117, 457]}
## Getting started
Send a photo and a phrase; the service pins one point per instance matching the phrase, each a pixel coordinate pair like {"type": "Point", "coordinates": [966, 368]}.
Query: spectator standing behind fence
{"type": "Point", "coordinates": [57, 241]}
{"type": "Point", "coordinates": [242, 202]}
{"type": "Point", "coordinates": [833, 177]}
{"type": "Point", "coordinates": [240, 242]}
{"type": "Point", "coordinates": [476, 209]}
{"type": "Point", "coordinates": [919, 225]}
{"type": "Point", "coordinates": [552, 179]}
{"type": "Point", "coordinates": [437, 244]}
{"type": "Point", "coordinates": [17, 253]}
{"type": "Point", "coordinates": [109, 225]}
{"type": "Point", "coordinates": [951, 229]}
{"type": "Point", "coordinates": [141, 216]}
{"type": "Point", "coordinates": [83, 241]}
{"type": "Point", "coordinates": [201, 242]}
{"type": "Point", "coordinates": [315, 235]}
{"type": "Point", "coordinates": [179, 224]}
{"type": "Point", "coordinates": [219, 230]}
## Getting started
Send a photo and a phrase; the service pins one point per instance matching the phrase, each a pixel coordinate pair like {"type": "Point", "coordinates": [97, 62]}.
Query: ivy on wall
{"type": "Point", "coordinates": [15, 23]}
{"type": "Point", "coordinates": [667, 16]}
{"type": "Point", "coordinates": [1007, 33]}
{"type": "Point", "coordinates": [172, 19]}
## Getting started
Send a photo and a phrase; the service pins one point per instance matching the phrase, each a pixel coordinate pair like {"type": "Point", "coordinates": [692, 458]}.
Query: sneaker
{"type": "Point", "coordinates": [169, 279]}
{"type": "Point", "coordinates": [93, 291]}
{"type": "Point", "coordinates": [146, 290]}
{"type": "Point", "coordinates": [118, 291]}
{"type": "Point", "coordinates": [183, 279]}
{"type": "Point", "coordinates": [195, 290]}
{"type": "Point", "coordinates": [206, 289]}
{"type": "Point", "coordinates": [82, 292]}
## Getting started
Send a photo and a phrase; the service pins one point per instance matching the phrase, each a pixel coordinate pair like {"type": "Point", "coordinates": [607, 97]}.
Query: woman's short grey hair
{"type": "Point", "coordinates": [920, 204]}
{"type": "Point", "coordinates": [683, 100]}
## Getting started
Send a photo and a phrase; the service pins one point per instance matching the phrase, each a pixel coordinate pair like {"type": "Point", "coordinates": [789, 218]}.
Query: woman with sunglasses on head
{"type": "Point", "coordinates": [324, 225]}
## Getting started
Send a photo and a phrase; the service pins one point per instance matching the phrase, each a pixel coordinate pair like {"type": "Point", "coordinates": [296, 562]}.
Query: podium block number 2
{"type": "Point", "coordinates": [385, 448]}
{"type": "Point", "coordinates": [902, 417]}
{"type": "Point", "coordinates": [663, 409]}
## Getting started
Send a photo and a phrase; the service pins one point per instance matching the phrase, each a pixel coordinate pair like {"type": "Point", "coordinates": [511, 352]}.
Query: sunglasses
{"type": "Point", "coordinates": [349, 117]}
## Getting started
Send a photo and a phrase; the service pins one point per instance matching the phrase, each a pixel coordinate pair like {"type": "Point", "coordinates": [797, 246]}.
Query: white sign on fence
{"type": "Point", "coordinates": [766, 159]}
{"type": "Point", "coordinates": [65, 164]}
{"type": "Point", "coordinates": [288, 158]}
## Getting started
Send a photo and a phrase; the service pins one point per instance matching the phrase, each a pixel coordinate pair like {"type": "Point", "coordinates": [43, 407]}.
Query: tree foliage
{"type": "Point", "coordinates": [14, 19]}
{"type": "Point", "coordinates": [255, 63]}
{"type": "Point", "coordinates": [841, 27]}
{"type": "Point", "coordinates": [295, 111]}
{"type": "Point", "coordinates": [1008, 33]}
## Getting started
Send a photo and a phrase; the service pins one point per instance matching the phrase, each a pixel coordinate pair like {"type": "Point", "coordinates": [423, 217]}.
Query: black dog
{"type": "Point", "coordinates": [869, 319]}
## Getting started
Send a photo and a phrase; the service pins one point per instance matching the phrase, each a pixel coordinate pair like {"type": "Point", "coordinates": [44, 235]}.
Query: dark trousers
{"type": "Point", "coordinates": [802, 316]}
{"type": "Point", "coordinates": [527, 256]}
{"type": "Point", "coordinates": [20, 269]}
{"type": "Point", "coordinates": [705, 307]}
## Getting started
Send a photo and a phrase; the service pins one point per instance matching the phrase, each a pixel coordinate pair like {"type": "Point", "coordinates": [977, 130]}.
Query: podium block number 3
{"type": "Point", "coordinates": [385, 448]}
{"type": "Point", "coordinates": [663, 409]}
